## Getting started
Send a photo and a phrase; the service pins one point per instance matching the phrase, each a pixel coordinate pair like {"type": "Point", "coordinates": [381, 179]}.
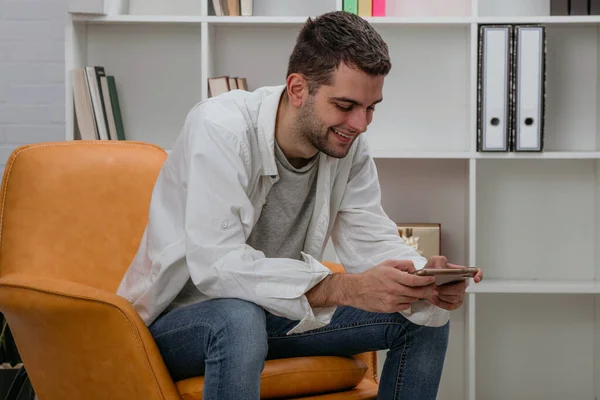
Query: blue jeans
{"type": "Point", "coordinates": [228, 341]}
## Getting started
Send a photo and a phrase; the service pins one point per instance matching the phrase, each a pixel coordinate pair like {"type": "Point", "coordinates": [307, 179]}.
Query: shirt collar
{"type": "Point", "coordinates": [267, 116]}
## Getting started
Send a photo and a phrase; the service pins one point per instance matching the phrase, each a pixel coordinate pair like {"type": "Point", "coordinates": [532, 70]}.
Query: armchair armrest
{"type": "Point", "coordinates": [79, 342]}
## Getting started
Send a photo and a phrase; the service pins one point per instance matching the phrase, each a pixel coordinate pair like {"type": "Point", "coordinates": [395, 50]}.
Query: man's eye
{"type": "Point", "coordinates": [344, 108]}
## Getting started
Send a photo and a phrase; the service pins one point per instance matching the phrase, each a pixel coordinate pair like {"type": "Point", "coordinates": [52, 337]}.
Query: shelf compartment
{"type": "Point", "coordinates": [278, 8]}
{"type": "Point", "coordinates": [158, 74]}
{"type": "Point", "coordinates": [523, 342]}
{"type": "Point", "coordinates": [526, 341]}
{"type": "Point", "coordinates": [233, 52]}
{"type": "Point", "coordinates": [421, 190]}
{"type": "Point", "coordinates": [434, 190]}
{"type": "Point", "coordinates": [572, 125]}
{"type": "Point", "coordinates": [430, 76]}
{"type": "Point", "coordinates": [536, 219]}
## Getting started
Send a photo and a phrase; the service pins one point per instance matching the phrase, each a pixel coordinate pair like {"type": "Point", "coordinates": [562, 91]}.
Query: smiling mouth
{"type": "Point", "coordinates": [344, 135]}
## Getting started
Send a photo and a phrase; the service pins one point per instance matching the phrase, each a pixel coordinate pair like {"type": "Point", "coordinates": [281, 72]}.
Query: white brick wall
{"type": "Point", "coordinates": [32, 98]}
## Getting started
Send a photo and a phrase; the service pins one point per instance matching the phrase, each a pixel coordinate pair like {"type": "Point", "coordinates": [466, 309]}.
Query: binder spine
{"type": "Point", "coordinates": [512, 91]}
{"type": "Point", "coordinates": [559, 7]}
{"type": "Point", "coordinates": [578, 7]}
{"type": "Point", "coordinates": [541, 95]}
{"type": "Point", "coordinates": [544, 92]}
{"type": "Point", "coordinates": [481, 90]}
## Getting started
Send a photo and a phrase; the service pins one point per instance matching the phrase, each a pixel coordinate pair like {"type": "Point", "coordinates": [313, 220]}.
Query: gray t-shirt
{"type": "Point", "coordinates": [281, 228]}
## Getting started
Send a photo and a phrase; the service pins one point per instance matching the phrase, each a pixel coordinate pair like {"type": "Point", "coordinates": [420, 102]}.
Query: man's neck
{"type": "Point", "coordinates": [292, 146]}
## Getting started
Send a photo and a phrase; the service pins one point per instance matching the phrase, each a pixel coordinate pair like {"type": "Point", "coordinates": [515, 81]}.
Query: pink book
{"type": "Point", "coordinates": [378, 9]}
{"type": "Point", "coordinates": [433, 8]}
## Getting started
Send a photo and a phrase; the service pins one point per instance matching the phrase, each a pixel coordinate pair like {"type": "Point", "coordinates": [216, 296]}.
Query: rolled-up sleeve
{"type": "Point", "coordinates": [219, 217]}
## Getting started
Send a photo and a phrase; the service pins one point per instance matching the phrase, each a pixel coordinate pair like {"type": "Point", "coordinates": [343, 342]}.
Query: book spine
{"type": "Point", "coordinates": [559, 7]}
{"type": "Point", "coordinates": [351, 6]}
{"type": "Point", "coordinates": [379, 8]}
{"type": "Point", "coordinates": [578, 7]}
{"type": "Point", "coordinates": [365, 8]}
{"type": "Point", "coordinates": [116, 108]}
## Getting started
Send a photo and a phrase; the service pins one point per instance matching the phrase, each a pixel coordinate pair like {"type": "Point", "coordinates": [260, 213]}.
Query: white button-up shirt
{"type": "Point", "coordinates": [209, 194]}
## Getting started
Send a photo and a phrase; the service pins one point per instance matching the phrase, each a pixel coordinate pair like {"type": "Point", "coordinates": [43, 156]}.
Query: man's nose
{"type": "Point", "coordinates": [358, 120]}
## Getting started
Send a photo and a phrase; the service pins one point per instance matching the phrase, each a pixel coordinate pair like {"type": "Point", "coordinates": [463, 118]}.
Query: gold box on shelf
{"type": "Point", "coordinates": [424, 237]}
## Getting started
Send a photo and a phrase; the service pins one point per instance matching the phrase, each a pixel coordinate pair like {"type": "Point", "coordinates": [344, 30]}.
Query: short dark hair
{"type": "Point", "coordinates": [333, 38]}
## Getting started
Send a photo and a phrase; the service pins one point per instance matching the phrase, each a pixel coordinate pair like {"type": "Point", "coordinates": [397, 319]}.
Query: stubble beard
{"type": "Point", "coordinates": [310, 129]}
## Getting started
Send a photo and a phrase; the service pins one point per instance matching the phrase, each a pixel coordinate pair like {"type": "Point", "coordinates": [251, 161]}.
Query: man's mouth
{"type": "Point", "coordinates": [344, 135]}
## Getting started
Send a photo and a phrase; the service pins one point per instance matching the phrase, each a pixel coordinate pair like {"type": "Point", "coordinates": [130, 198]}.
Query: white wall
{"type": "Point", "coordinates": [32, 99]}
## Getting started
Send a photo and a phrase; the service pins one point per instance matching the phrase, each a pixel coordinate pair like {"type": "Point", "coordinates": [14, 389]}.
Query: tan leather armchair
{"type": "Point", "coordinates": [72, 217]}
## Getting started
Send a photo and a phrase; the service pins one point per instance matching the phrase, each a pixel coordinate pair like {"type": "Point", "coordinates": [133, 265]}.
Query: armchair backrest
{"type": "Point", "coordinates": [76, 210]}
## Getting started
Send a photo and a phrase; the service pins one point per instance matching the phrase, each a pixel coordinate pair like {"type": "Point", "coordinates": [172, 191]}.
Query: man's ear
{"type": "Point", "coordinates": [297, 89]}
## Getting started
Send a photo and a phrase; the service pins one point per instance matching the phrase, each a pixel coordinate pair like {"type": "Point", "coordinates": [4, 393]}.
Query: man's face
{"type": "Point", "coordinates": [335, 115]}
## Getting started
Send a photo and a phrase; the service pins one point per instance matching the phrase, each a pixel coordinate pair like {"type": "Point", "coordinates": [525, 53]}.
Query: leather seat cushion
{"type": "Point", "coordinates": [291, 377]}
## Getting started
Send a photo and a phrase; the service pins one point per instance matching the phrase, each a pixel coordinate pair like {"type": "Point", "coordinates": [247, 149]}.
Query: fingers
{"type": "Point", "coordinates": [404, 302]}
{"type": "Point", "coordinates": [402, 265]}
{"type": "Point", "coordinates": [453, 289]}
{"type": "Point", "coordinates": [419, 292]}
{"type": "Point", "coordinates": [408, 279]}
{"type": "Point", "coordinates": [406, 299]}
{"type": "Point", "coordinates": [402, 284]}
{"type": "Point", "coordinates": [445, 304]}
{"type": "Point", "coordinates": [478, 276]}
{"type": "Point", "coordinates": [394, 303]}
{"type": "Point", "coordinates": [401, 272]}
{"type": "Point", "coordinates": [436, 262]}
{"type": "Point", "coordinates": [452, 299]}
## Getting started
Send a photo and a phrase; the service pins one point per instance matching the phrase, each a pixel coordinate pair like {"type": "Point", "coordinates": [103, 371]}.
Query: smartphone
{"type": "Point", "coordinates": [445, 276]}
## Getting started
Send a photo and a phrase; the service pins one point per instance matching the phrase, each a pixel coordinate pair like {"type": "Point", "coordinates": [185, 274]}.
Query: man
{"type": "Point", "coordinates": [227, 274]}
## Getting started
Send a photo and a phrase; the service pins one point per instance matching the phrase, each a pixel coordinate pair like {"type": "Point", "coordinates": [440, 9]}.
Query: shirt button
{"type": "Point", "coordinates": [224, 224]}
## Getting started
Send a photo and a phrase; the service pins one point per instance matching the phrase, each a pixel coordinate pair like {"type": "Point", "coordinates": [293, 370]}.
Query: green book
{"type": "Point", "coordinates": [114, 100]}
{"type": "Point", "coordinates": [351, 6]}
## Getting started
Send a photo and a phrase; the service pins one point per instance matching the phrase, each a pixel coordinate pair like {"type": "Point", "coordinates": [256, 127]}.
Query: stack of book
{"type": "Point", "coordinates": [96, 103]}
{"type": "Point", "coordinates": [233, 7]}
{"type": "Point", "coordinates": [365, 8]}
{"type": "Point", "coordinates": [410, 8]}
{"type": "Point", "coordinates": [222, 84]}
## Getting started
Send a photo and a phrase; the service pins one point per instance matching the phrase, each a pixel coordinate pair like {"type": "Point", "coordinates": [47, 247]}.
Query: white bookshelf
{"type": "Point", "coordinates": [531, 330]}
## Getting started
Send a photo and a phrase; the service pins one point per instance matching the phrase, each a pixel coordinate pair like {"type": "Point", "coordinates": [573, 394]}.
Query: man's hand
{"type": "Point", "coordinates": [388, 287]}
{"type": "Point", "coordinates": [450, 296]}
